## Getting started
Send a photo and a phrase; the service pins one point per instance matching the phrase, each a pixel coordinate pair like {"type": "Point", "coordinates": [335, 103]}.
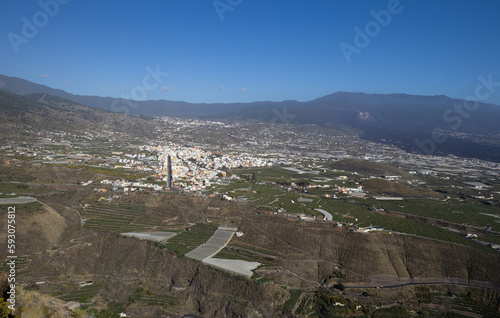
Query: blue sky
{"type": "Point", "coordinates": [260, 50]}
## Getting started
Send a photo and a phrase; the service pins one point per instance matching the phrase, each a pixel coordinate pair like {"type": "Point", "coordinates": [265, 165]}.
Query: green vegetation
{"type": "Point", "coordinates": [120, 218]}
{"type": "Point", "coordinates": [490, 239]}
{"type": "Point", "coordinates": [114, 172]}
{"type": "Point", "coordinates": [269, 195]}
{"type": "Point", "coordinates": [337, 274]}
{"type": "Point", "coordinates": [306, 306]}
{"type": "Point", "coordinates": [115, 307]}
{"type": "Point", "coordinates": [419, 228]}
{"type": "Point", "coordinates": [470, 212]}
{"type": "Point", "coordinates": [294, 297]}
{"type": "Point", "coordinates": [242, 254]}
{"type": "Point", "coordinates": [21, 263]}
{"type": "Point", "coordinates": [395, 311]}
{"type": "Point", "coordinates": [99, 313]}
{"type": "Point", "coordinates": [330, 305]}
{"type": "Point", "coordinates": [474, 301]}
{"type": "Point", "coordinates": [4, 309]}
{"type": "Point", "coordinates": [113, 218]}
{"type": "Point", "coordinates": [82, 294]}
{"type": "Point", "coordinates": [151, 298]}
{"type": "Point", "coordinates": [270, 190]}
{"type": "Point", "coordinates": [190, 239]}
{"type": "Point", "coordinates": [18, 188]}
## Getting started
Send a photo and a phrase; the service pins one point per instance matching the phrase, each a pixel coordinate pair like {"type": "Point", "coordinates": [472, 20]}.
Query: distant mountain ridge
{"type": "Point", "coordinates": [407, 121]}
{"type": "Point", "coordinates": [149, 108]}
{"type": "Point", "coordinates": [398, 111]}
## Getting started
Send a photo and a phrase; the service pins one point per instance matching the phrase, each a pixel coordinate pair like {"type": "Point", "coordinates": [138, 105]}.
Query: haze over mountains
{"type": "Point", "coordinates": [429, 124]}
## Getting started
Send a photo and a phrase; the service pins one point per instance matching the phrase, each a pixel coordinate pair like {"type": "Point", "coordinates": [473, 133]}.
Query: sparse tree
{"type": "Point", "coordinates": [4, 309]}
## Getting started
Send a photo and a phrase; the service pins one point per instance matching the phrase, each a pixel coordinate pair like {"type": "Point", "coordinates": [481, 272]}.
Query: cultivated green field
{"type": "Point", "coordinates": [267, 187]}
{"type": "Point", "coordinates": [118, 172]}
{"type": "Point", "coordinates": [121, 218]}
{"type": "Point", "coordinates": [469, 212]}
{"type": "Point", "coordinates": [190, 239]}
{"type": "Point", "coordinates": [82, 294]}
{"type": "Point", "coordinates": [151, 298]}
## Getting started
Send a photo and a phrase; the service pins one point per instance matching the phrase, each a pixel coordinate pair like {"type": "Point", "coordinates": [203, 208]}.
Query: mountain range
{"type": "Point", "coordinates": [425, 124]}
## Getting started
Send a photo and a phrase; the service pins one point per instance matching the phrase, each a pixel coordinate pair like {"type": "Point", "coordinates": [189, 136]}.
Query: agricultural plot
{"type": "Point", "coordinates": [346, 210]}
{"type": "Point", "coordinates": [281, 174]}
{"type": "Point", "coordinates": [115, 307]}
{"type": "Point", "coordinates": [271, 172]}
{"type": "Point", "coordinates": [119, 219]}
{"type": "Point", "coordinates": [22, 264]}
{"type": "Point", "coordinates": [148, 297]}
{"type": "Point", "coordinates": [119, 173]}
{"type": "Point", "coordinates": [7, 188]}
{"type": "Point", "coordinates": [213, 245]}
{"type": "Point", "coordinates": [191, 238]}
{"type": "Point", "coordinates": [490, 239]}
{"type": "Point", "coordinates": [238, 253]}
{"type": "Point", "coordinates": [471, 212]}
{"type": "Point", "coordinates": [112, 218]}
{"type": "Point", "coordinates": [294, 297]}
{"type": "Point", "coordinates": [360, 215]}
{"type": "Point", "coordinates": [465, 303]}
{"type": "Point", "coordinates": [82, 294]}
{"type": "Point", "coordinates": [270, 195]}
{"type": "Point", "coordinates": [306, 306]}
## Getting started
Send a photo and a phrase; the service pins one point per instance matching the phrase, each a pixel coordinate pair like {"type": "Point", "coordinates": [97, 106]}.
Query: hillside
{"type": "Point", "coordinates": [365, 257]}
{"type": "Point", "coordinates": [46, 112]}
{"type": "Point", "coordinates": [126, 270]}
{"type": "Point", "coordinates": [151, 279]}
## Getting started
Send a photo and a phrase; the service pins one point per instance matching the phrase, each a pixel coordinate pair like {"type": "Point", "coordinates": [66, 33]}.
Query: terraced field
{"type": "Point", "coordinates": [238, 253]}
{"type": "Point", "coordinates": [464, 303]}
{"type": "Point", "coordinates": [121, 219]}
{"type": "Point", "coordinates": [21, 265]}
{"type": "Point", "coordinates": [161, 300]}
{"type": "Point", "coordinates": [150, 298]}
{"type": "Point", "coordinates": [82, 294]}
{"type": "Point", "coordinates": [470, 212]}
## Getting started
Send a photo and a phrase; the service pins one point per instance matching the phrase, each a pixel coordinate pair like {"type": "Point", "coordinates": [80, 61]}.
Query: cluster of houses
{"type": "Point", "coordinates": [124, 185]}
